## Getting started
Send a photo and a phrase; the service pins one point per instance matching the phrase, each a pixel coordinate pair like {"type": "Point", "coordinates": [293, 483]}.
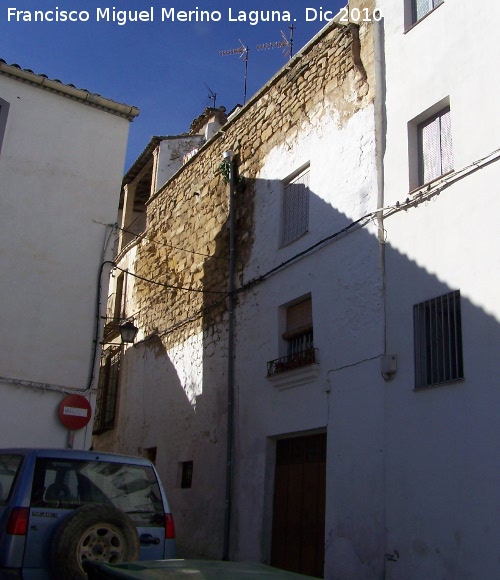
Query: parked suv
{"type": "Point", "coordinates": [61, 507]}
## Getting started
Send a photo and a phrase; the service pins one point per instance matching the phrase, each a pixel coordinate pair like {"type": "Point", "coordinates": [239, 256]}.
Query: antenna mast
{"type": "Point", "coordinates": [286, 43]}
{"type": "Point", "coordinates": [211, 95]}
{"type": "Point", "coordinates": [243, 52]}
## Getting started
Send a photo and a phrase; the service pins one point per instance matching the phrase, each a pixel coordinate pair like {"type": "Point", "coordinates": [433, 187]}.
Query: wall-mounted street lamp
{"type": "Point", "coordinates": [128, 332]}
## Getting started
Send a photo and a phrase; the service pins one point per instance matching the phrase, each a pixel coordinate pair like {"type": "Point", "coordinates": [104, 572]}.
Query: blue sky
{"type": "Point", "coordinates": [163, 68]}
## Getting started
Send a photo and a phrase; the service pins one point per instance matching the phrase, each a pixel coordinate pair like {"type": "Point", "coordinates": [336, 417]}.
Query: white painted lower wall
{"type": "Point", "coordinates": [344, 279]}
{"type": "Point", "coordinates": [442, 468]}
{"type": "Point", "coordinates": [61, 164]}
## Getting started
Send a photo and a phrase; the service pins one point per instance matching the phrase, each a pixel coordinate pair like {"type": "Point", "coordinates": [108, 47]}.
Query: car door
{"type": "Point", "coordinates": [54, 495]}
{"type": "Point", "coordinates": [133, 489]}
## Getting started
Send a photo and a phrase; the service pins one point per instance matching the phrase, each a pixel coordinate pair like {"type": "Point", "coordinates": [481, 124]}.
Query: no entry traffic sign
{"type": "Point", "coordinates": [74, 412]}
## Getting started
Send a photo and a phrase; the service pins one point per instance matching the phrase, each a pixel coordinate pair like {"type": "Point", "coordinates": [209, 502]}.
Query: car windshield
{"type": "Point", "coordinates": [9, 467]}
{"type": "Point", "coordinates": [69, 484]}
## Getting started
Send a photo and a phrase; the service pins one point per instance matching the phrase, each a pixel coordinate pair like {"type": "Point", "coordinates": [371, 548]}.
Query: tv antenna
{"type": "Point", "coordinates": [243, 51]}
{"type": "Point", "coordinates": [286, 43]}
{"type": "Point", "coordinates": [211, 95]}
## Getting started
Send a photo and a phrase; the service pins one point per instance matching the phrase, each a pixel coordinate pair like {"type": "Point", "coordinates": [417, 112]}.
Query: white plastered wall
{"type": "Point", "coordinates": [61, 165]}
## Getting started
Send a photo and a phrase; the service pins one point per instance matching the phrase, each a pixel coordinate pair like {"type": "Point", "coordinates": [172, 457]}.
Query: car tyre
{"type": "Point", "coordinates": [96, 532]}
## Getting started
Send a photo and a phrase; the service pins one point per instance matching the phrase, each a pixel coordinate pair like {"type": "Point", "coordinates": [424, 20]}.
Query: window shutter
{"type": "Point", "coordinates": [295, 209]}
{"type": "Point", "coordinates": [298, 318]}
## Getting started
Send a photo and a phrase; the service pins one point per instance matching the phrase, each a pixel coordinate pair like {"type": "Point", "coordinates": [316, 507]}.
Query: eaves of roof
{"type": "Point", "coordinates": [144, 157]}
{"type": "Point", "coordinates": [83, 96]}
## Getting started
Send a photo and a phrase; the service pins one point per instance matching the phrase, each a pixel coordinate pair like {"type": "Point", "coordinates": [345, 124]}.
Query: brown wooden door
{"type": "Point", "coordinates": [298, 535]}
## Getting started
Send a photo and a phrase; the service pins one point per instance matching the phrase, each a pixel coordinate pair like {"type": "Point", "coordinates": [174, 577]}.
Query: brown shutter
{"type": "Point", "coordinates": [298, 319]}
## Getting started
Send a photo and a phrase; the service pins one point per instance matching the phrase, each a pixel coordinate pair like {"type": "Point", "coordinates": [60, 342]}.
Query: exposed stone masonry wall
{"type": "Point", "coordinates": [187, 230]}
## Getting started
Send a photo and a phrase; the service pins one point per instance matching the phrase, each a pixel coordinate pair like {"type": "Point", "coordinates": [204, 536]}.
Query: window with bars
{"type": "Point", "coordinates": [299, 338]}
{"type": "Point", "coordinates": [435, 147]}
{"type": "Point", "coordinates": [423, 7]}
{"type": "Point", "coordinates": [295, 209]}
{"type": "Point", "coordinates": [438, 340]}
{"type": "Point", "coordinates": [107, 392]}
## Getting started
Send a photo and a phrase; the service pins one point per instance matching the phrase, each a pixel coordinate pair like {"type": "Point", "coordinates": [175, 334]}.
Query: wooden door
{"type": "Point", "coordinates": [298, 533]}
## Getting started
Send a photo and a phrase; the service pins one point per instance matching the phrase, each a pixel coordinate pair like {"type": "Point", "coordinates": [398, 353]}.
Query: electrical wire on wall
{"type": "Point", "coordinates": [169, 286]}
{"type": "Point", "coordinates": [143, 236]}
{"type": "Point", "coordinates": [419, 196]}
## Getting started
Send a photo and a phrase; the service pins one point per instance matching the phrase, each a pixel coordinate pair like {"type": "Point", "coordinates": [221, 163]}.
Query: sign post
{"type": "Point", "coordinates": [74, 413]}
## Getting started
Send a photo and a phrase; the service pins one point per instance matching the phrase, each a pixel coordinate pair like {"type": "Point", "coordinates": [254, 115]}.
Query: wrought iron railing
{"type": "Point", "coordinates": [292, 361]}
{"type": "Point", "coordinates": [110, 308]}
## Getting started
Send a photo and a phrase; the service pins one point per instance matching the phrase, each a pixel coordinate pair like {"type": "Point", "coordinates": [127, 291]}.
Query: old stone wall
{"type": "Point", "coordinates": [173, 385]}
{"type": "Point", "coordinates": [187, 232]}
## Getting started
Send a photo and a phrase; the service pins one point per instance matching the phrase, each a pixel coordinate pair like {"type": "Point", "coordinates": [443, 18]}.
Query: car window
{"type": "Point", "coordinates": [9, 468]}
{"type": "Point", "coordinates": [70, 483]}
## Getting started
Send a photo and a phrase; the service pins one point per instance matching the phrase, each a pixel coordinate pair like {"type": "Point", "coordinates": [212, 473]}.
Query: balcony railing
{"type": "Point", "coordinates": [113, 317]}
{"type": "Point", "coordinates": [292, 361]}
{"type": "Point", "coordinates": [110, 307]}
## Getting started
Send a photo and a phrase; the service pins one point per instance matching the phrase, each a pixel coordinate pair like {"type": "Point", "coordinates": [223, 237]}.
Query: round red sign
{"type": "Point", "coordinates": [74, 412]}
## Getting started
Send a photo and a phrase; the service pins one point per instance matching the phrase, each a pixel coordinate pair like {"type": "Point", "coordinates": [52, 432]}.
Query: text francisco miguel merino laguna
{"type": "Point", "coordinates": [122, 17]}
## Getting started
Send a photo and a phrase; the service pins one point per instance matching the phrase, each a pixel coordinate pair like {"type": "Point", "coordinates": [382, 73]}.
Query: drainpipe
{"type": "Point", "coordinates": [228, 156]}
{"type": "Point", "coordinates": [381, 133]}
{"type": "Point", "coordinates": [380, 139]}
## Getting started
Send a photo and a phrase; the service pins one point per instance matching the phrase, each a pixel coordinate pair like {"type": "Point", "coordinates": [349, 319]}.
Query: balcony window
{"type": "Point", "coordinates": [299, 339]}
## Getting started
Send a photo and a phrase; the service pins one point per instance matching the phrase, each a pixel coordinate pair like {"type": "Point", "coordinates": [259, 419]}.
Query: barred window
{"type": "Point", "coordinates": [423, 7]}
{"type": "Point", "coordinates": [435, 146]}
{"type": "Point", "coordinates": [107, 392]}
{"type": "Point", "coordinates": [295, 209]}
{"type": "Point", "coordinates": [298, 338]}
{"type": "Point", "coordinates": [438, 340]}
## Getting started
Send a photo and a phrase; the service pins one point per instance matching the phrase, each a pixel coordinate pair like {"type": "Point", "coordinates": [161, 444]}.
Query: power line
{"type": "Point", "coordinates": [170, 286]}
{"type": "Point", "coordinates": [425, 193]}
{"type": "Point", "coordinates": [164, 244]}
{"type": "Point", "coordinates": [144, 237]}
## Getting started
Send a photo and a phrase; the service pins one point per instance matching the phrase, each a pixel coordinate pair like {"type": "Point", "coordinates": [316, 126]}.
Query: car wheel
{"type": "Point", "coordinates": [95, 532]}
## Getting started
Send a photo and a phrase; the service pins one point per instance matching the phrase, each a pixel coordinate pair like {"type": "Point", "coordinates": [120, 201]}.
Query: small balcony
{"type": "Point", "coordinates": [293, 361]}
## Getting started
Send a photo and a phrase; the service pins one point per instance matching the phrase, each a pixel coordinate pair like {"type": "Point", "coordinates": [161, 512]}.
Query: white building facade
{"type": "Point", "coordinates": [442, 470]}
{"type": "Point", "coordinates": [61, 161]}
{"type": "Point", "coordinates": [364, 439]}
{"type": "Point", "coordinates": [308, 316]}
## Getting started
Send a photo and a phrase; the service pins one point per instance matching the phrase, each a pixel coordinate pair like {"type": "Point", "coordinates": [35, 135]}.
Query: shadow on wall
{"type": "Point", "coordinates": [420, 443]}
{"type": "Point", "coordinates": [442, 469]}
{"type": "Point", "coordinates": [415, 471]}
{"type": "Point", "coordinates": [155, 412]}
